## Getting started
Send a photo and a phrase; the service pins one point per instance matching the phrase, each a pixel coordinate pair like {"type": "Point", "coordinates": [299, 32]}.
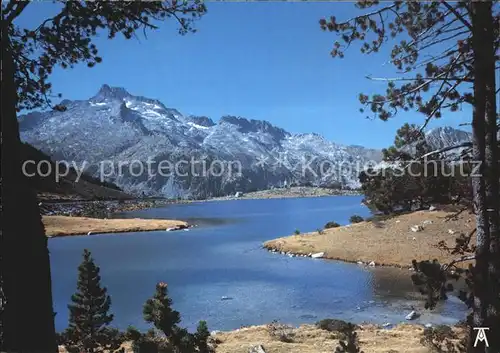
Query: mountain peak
{"type": "Point", "coordinates": [245, 125]}
{"type": "Point", "coordinates": [107, 92]}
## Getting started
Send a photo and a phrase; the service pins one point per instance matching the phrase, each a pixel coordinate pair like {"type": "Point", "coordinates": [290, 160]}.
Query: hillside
{"type": "Point", "coordinates": [67, 187]}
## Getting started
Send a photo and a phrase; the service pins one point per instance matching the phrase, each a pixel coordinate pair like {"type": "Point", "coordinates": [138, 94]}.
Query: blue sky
{"type": "Point", "coordinates": [258, 60]}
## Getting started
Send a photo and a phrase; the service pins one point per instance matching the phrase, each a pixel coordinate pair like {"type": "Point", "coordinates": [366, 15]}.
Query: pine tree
{"type": "Point", "coordinates": [446, 55]}
{"type": "Point", "coordinates": [88, 329]}
{"type": "Point", "coordinates": [350, 344]}
{"type": "Point", "coordinates": [201, 337]}
{"type": "Point", "coordinates": [159, 312]}
{"type": "Point", "coordinates": [29, 55]}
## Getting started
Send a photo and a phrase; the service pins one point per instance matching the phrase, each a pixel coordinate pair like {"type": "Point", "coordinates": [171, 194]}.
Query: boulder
{"type": "Point", "coordinates": [318, 255]}
{"type": "Point", "coordinates": [451, 231]}
{"type": "Point", "coordinates": [412, 316]}
{"type": "Point", "coordinates": [256, 349]}
{"type": "Point", "coordinates": [417, 228]}
{"type": "Point", "coordinates": [432, 208]}
{"type": "Point", "coordinates": [372, 264]}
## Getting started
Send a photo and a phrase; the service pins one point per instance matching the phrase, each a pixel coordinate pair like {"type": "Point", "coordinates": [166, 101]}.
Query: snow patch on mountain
{"type": "Point", "coordinates": [196, 154]}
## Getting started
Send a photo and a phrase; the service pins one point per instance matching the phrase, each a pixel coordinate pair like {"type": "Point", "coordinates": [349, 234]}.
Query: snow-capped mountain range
{"type": "Point", "coordinates": [116, 134]}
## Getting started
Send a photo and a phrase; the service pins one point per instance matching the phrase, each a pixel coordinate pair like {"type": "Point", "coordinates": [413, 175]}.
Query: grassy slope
{"type": "Point", "coordinates": [389, 242]}
{"type": "Point", "coordinates": [62, 225]}
{"type": "Point", "coordinates": [309, 339]}
{"type": "Point", "coordinates": [67, 188]}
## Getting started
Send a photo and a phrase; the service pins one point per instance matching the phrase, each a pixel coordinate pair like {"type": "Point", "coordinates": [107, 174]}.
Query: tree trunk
{"type": "Point", "coordinates": [27, 312]}
{"type": "Point", "coordinates": [486, 189]}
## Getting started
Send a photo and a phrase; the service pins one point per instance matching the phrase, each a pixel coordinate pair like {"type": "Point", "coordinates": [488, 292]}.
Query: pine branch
{"type": "Point", "coordinates": [461, 259]}
{"type": "Point", "coordinates": [13, 13]}
{"type": "Point", "coordinates": [413, 90]}
{"type": "Point", "coordinates": [458, 15]}
{"type": "Point", "coordinates": [395, 79]}
{"type": "Point", "coordinates": [446, 149]}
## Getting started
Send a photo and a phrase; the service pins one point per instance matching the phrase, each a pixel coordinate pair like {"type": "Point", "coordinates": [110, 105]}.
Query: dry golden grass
{"type": "Point", "coordinates": [62, 225]}
{"type": "Point", "coordinates": [309, 339]}
{"type": "Point", "coordinates": [389, 242]}
{"type": "Point", "coordinates": [403, 338]}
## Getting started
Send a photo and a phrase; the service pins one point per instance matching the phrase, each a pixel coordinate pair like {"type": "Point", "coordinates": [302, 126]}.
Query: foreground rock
{"type": "Point", "coordinates": [412, 316]}
{"type": "Point", "coordinates": [257, 349]}
{"type": "Point", "coordinates": [318, 255]}
{"type": "Point", "coordinates": [382, 242]}
{"type": "Point", "coordinates": [56, 226]}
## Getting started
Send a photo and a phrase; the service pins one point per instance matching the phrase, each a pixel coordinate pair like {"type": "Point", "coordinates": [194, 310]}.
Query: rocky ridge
{"type": "Point", "coordinates": [149, 149]}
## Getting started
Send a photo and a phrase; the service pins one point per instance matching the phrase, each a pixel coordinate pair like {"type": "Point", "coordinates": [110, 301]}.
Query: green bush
{"type": "Point", "coordinates": [334, 325]}
{"type": "Point", "coordinates": [332, 225]}
{"type": "Point", "coordinates": [442, 339]}
{"type": "Point", "coordinates": [296, 232]}
{"type": "Point", "coordinates": [350, 343]}
{"type": "Point", "coordinates": [356, 219]}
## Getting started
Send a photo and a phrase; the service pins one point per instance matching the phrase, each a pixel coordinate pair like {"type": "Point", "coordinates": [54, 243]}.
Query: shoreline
{"type": "Point", "coordinates": [292, 192]}
{"type": "Point", "coordinates": [62, 226]}
{"type": "Point", "coordinates": [99, 209]}
{"type": "Point", "coordinates": [394, 242]}
{"type": "Point", "coordinates": [104, 208]}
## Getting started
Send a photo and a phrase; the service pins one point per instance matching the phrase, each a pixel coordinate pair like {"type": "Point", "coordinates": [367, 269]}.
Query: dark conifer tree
{"type": "Point", "coordinates": [446, 54]}
{"type": "Point", "coordinates": [159, 312]}
{"type": "Point", "coordinates": [201, 337]}
{"type": "Point", "coordinates": [29, 55]}
{"type": "Point", "coordinates": [89, 318]}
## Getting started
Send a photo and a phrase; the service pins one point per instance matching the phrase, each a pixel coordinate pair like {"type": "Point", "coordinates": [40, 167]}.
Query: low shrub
{"type": "Point", "coordinates": [442, 339]}
{"type": "Point", "coordinates": [334, 325]}
{"type": "Point", "coordinates": [350, 343]}
{"type": "Point", "coordinates": [356, 219]}
{"type": "Point", "coordinates": [283, 333]}
{"type": "Point", "coordinates": [332, 225]}
{"type": "Point", "coordinates": [296, 232]}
